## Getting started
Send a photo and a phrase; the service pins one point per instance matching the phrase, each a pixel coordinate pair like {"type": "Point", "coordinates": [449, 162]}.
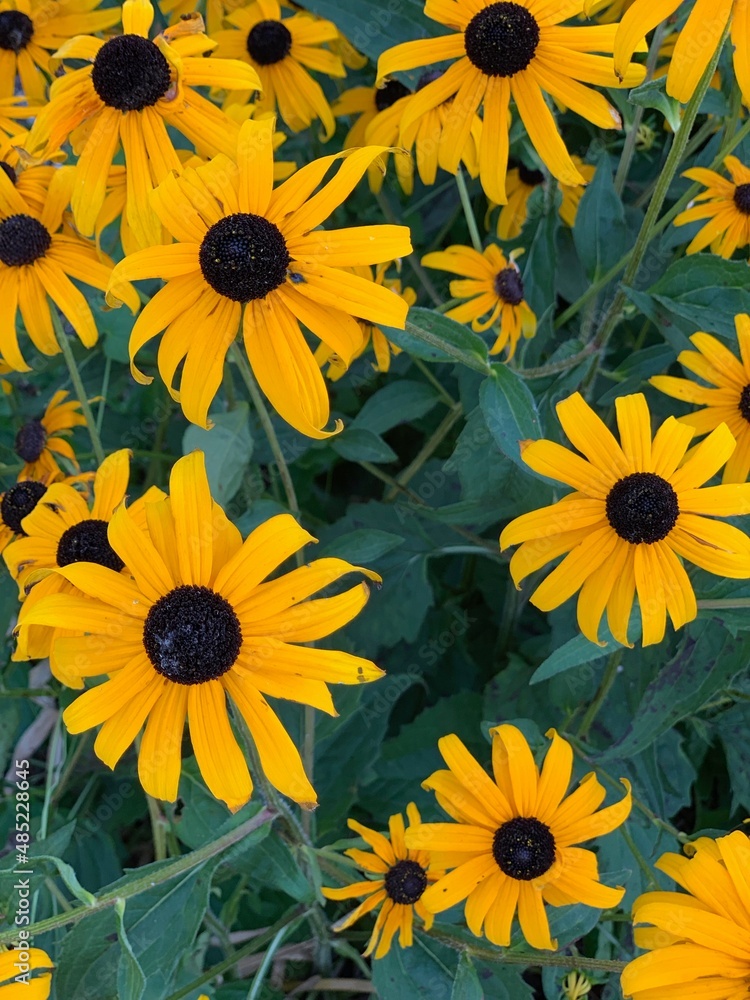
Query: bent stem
{"type": "Point", "coordinates": [75, 377]}
{"type": "Point", "coordinates": [471, 222]}
{"type": "Point", "coordinates": [265, 420]}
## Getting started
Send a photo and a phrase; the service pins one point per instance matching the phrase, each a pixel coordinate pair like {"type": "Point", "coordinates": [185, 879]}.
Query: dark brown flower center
{"type": "Point", "coordinates": [387, 95]}
{"type": "Point", "coordinates": [532, 178]}
{"type": "Point", "coordinates": [88, 542]}
{"type": "Point", "coordinates": [501, 40]}
{"type": "Point", "coordinates": [8, 171]}
{"type": "Point", "coordinates": [192, 635]}
{"type": "Point", "coordinates": [19, 501]}
{"type": "Point", "coordinates": [405, 882]}
{"type": "Point", "coordinates": [30, 441]}
{"type": "Point", "coordinates": [642, 508]}
{"type": "Point", "coordinates": [130, 73]}
{"type": "Point", "coordinates": [16, 30]}
{"type": "Point", "coordinates": [524, 848]}
{"type": "Point", "coordinates": [509, 286]}
{"type": "Point", "coordinates": [22, 240]}
{"type": "Point", "coordinates": [269, 42]}
{"type": "Point", "coordinates": [244, 257]}
{"type": "Point", "coordinates": [742, 198]}
{"type": "Point", "coordinates": [744, 403]}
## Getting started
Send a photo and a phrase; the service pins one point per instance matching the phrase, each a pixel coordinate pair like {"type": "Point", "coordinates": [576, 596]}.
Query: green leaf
{"type": "Point", "coordinates": [466, 985]}
{"type": "Point", "coordinates": [373, 26]}
{"type": "Point", "coordinates": [573, 653]}
{"type": "Point", "coordinates": [396, 403]}
{"type": "Point", "coordinates": [652, 94]}
{"type": "Point", "coordinates": [228, 447]}
{"type": "Point", "coordinates": [131, 981]}
{"type": "Point", "coordinates": [707, 660]}
{"type": "Point", "coordinates": [732, 727]}
{"type": "Point", "coordinates": [363, 546]}
{"type": "Point", "coordinates": [423, 972]}
{"type": "Point", "coordinates": [510, 411]}
{"type": "Point", "coordinates": [705, 292]}
{"type": "Point", "coordinates": [433, 337]}
{"type": "Point", "coordinates": [356, 444]}
{"type": "Point", "coordinates": [600, 233]}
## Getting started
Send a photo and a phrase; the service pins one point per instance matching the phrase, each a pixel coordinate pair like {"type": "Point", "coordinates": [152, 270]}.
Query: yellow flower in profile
{"type": "Point", "coordinates": [38, 966]}
{"type": "Point", "coordinates": [494, 288]}
{"type": "Point", "coordinates": [696, 44]}
{"type": "Point", "coordinates": [41, 439]}
{"type": "Point", "coordinates": [381, 346]}
{"type": "Point", "coordinates": [243, 246]}
{"type": "Point", "coordinates": [401, 877]}
{"type": "Point", "coordinates": [576, 986]}
{"type": "Point", "coordinates": [37, 259]}
{"type": "Point", "coordinates": [726, 206]}
{"type": "Point", "coordinates": [129, 93]}
{"type": "Point", "coordinates": [511, 844]}
{"type": "Point", "coordinates": [196, 624]}
{"type": "Point", "coordinates": [727, 401]}
{"type": "Point", "coordinates": [282, 51]}
{"type": "Point", "coordinates": [32, 29]}
{"type": "Point", "coordinates": [697, 941]}
{"type": "Point", "coordinates": [522, 182]}
{"type": "Point", "coordinates": [637, 512]}
{"type": "Point", "coordinates": [511, 49]}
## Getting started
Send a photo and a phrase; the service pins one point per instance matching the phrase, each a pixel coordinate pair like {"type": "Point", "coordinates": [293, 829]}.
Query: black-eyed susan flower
{"type": "Point", "coordinates": [493, 286]}
{"type": "Point", "coordinates": [41, 439]}
{"type": "Point", "coordinates": [726, 206]}
{"type": "Point", "coordinates": [380, 107]}
{"type": "Point", "coordinates": [517, 50]}
{"type": "Point", "coordinates": [401, 876]}
{"type": "Point", "coordinates": [196, 624]}
{"type": "Point", "coordinates": [127, 95]}
{"type": "Point", "coordinates": [38, 259]}
{"type": "Point", "coordinates": [32, 29]}
{"type": "Point", "coordinates": [18, 501]}
{"type": "Point", "coordinates": [282, 50]}
{"type": "Point", "coordinates": [511, 844]}
{"type": "Point", "coordinates": [637, 513]}
{"type": "Point", "coordinates": [726, 401]}
{"type": "Point", "coordinates": [696, 44]}
{"type": "Point", "coordinates": [697, 941]}
{"type": "Point", "coordinates": [64, 528]}
{"type": "Point", "coordinates": [382, 348]}
{"type": "Point", "coordinates": [243, 246]}
{"type": "Point", "coordinates": [34, 966]}
{"type": "Point", "coordinates": [522, 182]}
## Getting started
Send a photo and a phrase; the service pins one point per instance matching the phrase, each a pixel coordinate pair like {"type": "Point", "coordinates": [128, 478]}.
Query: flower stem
{"type": "Point", "coordinates": [610, 675]}
{"type": "Point", "coordinates": [471, 222]}
{"type": "Point", "coordinates": [666, 177]}
{"type": "Point", "coordinates": [182, 864]}
{"type": "Point", "coordinates": [430, 447]}
{"type": "Point", "coordinates": [75, 377]}
{"type": "Point", "coordinates": [631, 138]}
{"type": "Point", "coordinates": [260, 407]}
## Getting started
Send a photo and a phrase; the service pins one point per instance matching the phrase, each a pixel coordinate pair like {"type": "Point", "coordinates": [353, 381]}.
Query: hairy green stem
{"type": "Point", "coordinates": [610, 675]}
{"type": "Point", "coordinates": [471, 222]}
{"type": "Point", "coordinates": [75, 378]}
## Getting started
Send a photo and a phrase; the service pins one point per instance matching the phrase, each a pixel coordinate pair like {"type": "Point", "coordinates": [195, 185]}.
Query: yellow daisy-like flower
{"type": "Point", "coordinates": [41, 439]}
{"type": "Point", "coordinates": [244, 246]}
{"type": "Point", "coordinates": [493, 286]}
{"type": "Point", "coordinates": [281, 51]}
{"type": "Point", "coordinates": [637, 512]}
{"type": "Point", "coordinates": [378, 111]}
{"type": "Point", "coordinates": [401, 877]}
{"type": "Point", "coordinates": [132, 89]}
{"type": "Point", "coordinates": [382, 347]}
{"type": "Point", "coordinates": [197, 624]}
{"type": "Point", "coordinates": [512, 49]}
{"type": "Point", "coordinates": [19, 500]}
{"type": "Point", "coordinates": [522, 182]}
{"type": "Point", "coordinates": [728, 399]}
{"type": "Point", "coordinates": [696, 44]}
{"type": "Point", "coordinates": [32, 29]}
{"type": "Point", "coordinates": [31, 962]}
{"type": "Point", "coordinates": [698, 941]}
{"type": "Point", "coordinates": [726, 206]}
{"type": "Point", "coordinates": [38, 259]}
{"type": "Point", "coordinates": [60, 530]}
{"type": "Point", "coordinates": [511, 845]}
